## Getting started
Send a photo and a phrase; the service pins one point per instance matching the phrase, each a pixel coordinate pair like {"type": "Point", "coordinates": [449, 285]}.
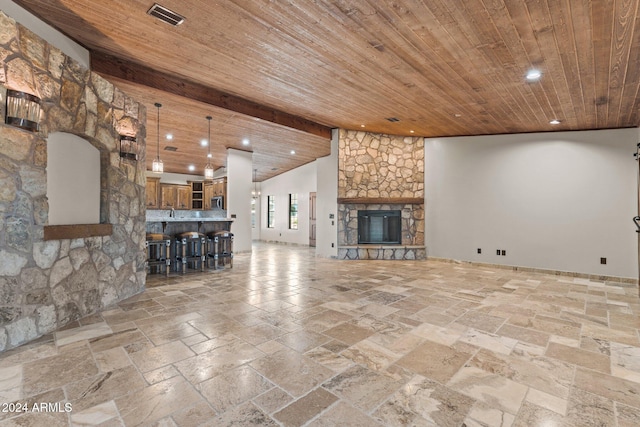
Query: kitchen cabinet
{"type": "Point", "coordinates": [152, 193]}
{"type": "Point", "coordinates": [197, 194]}
{"type": "Point", "coordinates": [208, 194]}
{"type": "Point", "coordinates": [220, 187]}
{"type": "Point", "coordinates": [175, 196]}
{"type": "Point", "coordinates": [184, 197]}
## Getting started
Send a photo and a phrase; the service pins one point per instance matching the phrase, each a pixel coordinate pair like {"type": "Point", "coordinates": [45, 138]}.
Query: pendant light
{"type": "Point", "coordinates": [157, 165]}
{"type": "Point", "coordinates": [255, 193]}
{"type": "Point", "coordinates": [208, 169]}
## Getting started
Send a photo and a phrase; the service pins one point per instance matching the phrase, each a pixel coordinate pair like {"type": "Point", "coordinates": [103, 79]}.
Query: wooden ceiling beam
{"type": "Point", "coordinates": [126, 70]}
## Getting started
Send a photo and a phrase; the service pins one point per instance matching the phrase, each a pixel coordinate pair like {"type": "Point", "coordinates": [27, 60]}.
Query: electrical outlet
{"type": "Point", "coordinates": [332, 245]}
{"type": "Point", "coordinates": [603, 260]}
{"type": "Point", "coordinates": [497, 251]}
{"type": "Point", "coordinates": [479, 250]}
{"type": "Point", "coordinates": [504, 253]}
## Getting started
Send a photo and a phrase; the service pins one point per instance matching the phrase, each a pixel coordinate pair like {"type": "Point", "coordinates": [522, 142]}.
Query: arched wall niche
{"type": "Point", "coordinates": [73, 180]}
{"type": "Point", "coordinates": [52, 275]}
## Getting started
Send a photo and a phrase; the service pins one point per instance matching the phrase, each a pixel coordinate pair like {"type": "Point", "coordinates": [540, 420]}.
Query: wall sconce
{"type": "Point", "coordinates": [129, 148]}
{"type": "Point", "coordinates": [23, 110]}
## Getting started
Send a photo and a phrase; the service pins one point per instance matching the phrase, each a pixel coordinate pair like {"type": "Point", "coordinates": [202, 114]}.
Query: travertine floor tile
{"type": "Point", "coordinates": [233, 388]}
{"type": "Point", "coordinates": [295, 373]}
{"type": "Point", "coordinates": [287, 338]}
{"type": "Point", "coordinates": [305, 408]}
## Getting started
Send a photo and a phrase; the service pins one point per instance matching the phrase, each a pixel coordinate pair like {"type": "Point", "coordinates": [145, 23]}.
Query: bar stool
{"type": "Point", "coordinates": [158, 253]}
{"type": "Point", "coordinates": [190, 249]}
{"type": "Point", "coordinates": [220, 249]}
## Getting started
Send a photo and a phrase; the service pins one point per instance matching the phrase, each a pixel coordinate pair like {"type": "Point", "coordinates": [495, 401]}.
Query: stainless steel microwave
{"type": "Point", "coordinates": [217, 202]}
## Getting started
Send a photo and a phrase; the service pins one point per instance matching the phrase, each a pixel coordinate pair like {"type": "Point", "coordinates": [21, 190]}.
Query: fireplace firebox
{"type": "Point", "coordinates": [379, 227]}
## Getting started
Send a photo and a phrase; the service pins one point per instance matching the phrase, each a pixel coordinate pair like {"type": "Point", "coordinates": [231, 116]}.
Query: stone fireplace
{"type": "Point", "coordinates": [379, 174]}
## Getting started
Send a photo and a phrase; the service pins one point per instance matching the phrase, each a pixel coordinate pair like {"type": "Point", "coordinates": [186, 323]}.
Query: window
{"type": "Point", "coordinates": [293, 211]}
{"type": "Point", "coordinates": [271, 211]}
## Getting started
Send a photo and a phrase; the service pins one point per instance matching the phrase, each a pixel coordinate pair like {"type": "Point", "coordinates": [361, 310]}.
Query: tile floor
{"type": "Point", "coordinates": [288, 339]}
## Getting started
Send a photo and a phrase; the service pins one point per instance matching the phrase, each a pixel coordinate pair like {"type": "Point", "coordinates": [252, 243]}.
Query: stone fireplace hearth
{"type": "Point", "coordinates": [379, 172]}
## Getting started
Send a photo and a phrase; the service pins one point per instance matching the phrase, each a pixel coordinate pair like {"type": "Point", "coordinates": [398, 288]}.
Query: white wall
{"type": "Point", "coordinates": [300, 181]}
{"type": "Point", "coordinates": [327, 202]}
{"type": "Point", "coordinates": [47, 32]}
{"type": "Point", "coordinates": [557, 201]}
{"type": "Point", "coordinates": [73, 180]}
{"type": "Point", "coordinates": [239, 175]}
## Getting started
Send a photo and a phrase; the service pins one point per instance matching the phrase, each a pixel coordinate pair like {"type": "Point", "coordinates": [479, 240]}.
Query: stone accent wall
{"type": "Point", "coordinates": [45, 285]}
{"type": "Point", "coordinates": [380, 167]}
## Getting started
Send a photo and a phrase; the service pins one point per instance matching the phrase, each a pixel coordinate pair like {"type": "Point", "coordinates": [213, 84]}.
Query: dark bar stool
{"type": "Point", "coordinates": [191, 250]}
{"type": "Point", "coordinates": [220, 249]}
{"type": "Point", "coordinates": [158, 253]}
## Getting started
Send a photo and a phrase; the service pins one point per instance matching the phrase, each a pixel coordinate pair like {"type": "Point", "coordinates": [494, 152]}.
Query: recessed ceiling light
{"type": "Point", "coordinates": [533, 75]}
{"type": "Point", "coordinates": [209, 155]}
{"type": "Point", "coordinates": [293, 152]}
{"type": "Point", "coordinates": [458, 115]}
{"type": "Point", "coordinates": [361, 126]}
{"type": "Point", "coordinates": [245, 141]}
{"type": "Point", "coordinates": [554, 122]}
{"type": "Point", "coordinates": [411, 131]}
{"type": "Point", "coordinates": [169, 136]}
{"type": "Point", "coordinates": [192, 168]}
{"type": "Point", "coordinates": [204, 142]}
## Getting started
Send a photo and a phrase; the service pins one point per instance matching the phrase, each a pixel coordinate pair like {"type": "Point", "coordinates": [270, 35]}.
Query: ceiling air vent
{"type": "Point", "coordinates": [393, 119]}
{"type": "Point", "coordinates": [170, 148]}
{"type": "Point", "coordinates": [165, 15]}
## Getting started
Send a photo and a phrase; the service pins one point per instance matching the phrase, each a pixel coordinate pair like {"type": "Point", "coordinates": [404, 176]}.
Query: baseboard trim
{"type": "Point", "coordinates": [594, 277]}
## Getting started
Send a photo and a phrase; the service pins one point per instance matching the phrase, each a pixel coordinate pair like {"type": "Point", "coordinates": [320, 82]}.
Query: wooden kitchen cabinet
{"type": "Point", "coordinates": [152, 193]}
{"type": "Point", "coordinates": [168, 196]}
{"type": "Point", "coordinates": [197, 194]}
{"type": "Point", "coordinates": [184, 197]}
{"type": "Point", "coordinates": [175, 196]}
{"type": "Point", "coordinates": [208, 194]}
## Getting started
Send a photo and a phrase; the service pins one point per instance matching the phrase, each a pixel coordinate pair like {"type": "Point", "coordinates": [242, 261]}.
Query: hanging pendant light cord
{"type": "Point", "coordinates": [209, 141]}
{"type": "Point", "coordinates": [158, 105]}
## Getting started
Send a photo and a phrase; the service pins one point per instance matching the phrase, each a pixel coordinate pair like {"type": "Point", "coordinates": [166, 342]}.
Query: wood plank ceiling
{"type": "Point", "coordinates": [441, 67]}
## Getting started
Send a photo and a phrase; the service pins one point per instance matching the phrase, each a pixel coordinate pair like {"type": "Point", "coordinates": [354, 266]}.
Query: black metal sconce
{"type": "Point", "coordinates": [22, 110]}
{"type": "Point", "coordinates": [129, 148]}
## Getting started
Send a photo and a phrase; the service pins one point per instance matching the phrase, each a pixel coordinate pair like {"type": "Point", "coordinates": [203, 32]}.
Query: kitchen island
{"type": "Point", "coordinates": [173, 222]}
{"type": "Point", "coordinates": [172, 226]}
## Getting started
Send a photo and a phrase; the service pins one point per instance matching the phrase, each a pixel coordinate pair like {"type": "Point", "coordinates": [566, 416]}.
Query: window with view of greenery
{"type": "Point", "coordinates": [293, 211]}
{"type": "Point", "coordinates": [271, 211]}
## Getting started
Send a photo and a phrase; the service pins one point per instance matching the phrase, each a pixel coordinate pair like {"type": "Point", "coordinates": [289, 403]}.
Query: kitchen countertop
{"type": "Point", "coordinates": [190, 220]}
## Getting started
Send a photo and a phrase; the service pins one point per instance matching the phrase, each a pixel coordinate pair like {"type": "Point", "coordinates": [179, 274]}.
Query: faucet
{"type": "Point", "coordinates": [172, 214]}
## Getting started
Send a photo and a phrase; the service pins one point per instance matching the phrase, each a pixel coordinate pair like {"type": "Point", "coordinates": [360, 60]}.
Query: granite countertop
{"type": "Point", "coordinates": [189, 220]}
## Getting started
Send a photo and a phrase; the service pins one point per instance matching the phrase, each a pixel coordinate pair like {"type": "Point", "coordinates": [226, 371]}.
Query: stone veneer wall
{"type": "Point", "coordinates": [374, 171]}
{"type": "Point", "coordinates": [374, 165]}
{"type": "Point", "coordinates": [45, 285]}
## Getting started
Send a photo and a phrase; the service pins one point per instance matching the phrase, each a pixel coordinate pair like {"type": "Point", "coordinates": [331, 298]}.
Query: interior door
{"type": "Point", "coordinates": [637, 218]}
{"type": "Point", "coordinates": [312, 219]}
